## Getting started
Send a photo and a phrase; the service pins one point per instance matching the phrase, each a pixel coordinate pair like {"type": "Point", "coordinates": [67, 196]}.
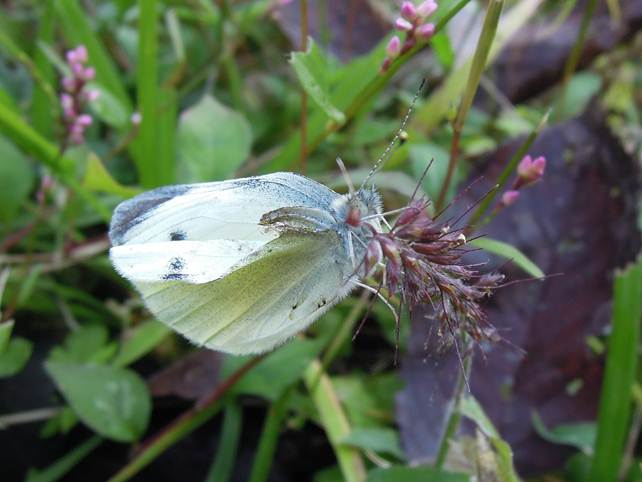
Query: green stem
{"type": "Point", "coordinates": [455, 415]}
{"type": "Point", "coordinates": [269, 437]}
{"type": "Point", "coordinates": [504, 176]}
{"type": "Point", "coordinates": [334, 421]}
{"type": "Point", "coordinates": [486, 37]}
{"type": "Point", "coordinates": [223, 465]}
{"type": "Point", "coordinates": [574, 57]}
{"type": "Point", "coordinates": [185, 424]}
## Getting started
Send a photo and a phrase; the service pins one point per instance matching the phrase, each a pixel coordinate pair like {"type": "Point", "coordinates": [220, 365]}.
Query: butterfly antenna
{"type": "Point", "coordinates": [386, 154]}
{"type": "Point", "coordinates": [346, 176]}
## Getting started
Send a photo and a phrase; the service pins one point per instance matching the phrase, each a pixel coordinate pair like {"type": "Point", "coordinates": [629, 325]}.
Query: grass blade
{"type": "Point", "coordinates": [223, 465]}
{"type": "Point", "coordinates": [509, 251]}
{"type": "Point", "coordinates": [619, 375]}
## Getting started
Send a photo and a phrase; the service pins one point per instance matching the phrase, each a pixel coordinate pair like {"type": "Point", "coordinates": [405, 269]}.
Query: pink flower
{"type": "Point", "coordinates": [408, 11]}
{"type": "Point", "coordinates": [530, 171]}
{"type": "Point", "coordinates": [78, 55]}
{"type": "Point", "coordinates": [394, 47]}
{"type": "Point", "coordinates": [427, 8]}
{"type": "Point", "coordinates": [426, 30]}
{"type": "Point", "coordinates": [403, 25]}
{"type": "Point", "coordinates": [509, 197]}
{"type": "Point", "coordinates": [136, 118]}
{"type": "Point", "coordinates": [88, 74]}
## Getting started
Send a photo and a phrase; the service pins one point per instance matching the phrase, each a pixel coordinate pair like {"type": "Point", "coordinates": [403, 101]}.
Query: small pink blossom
{"type": "Point", "coordinates": [509, 197]}
{"type": "Point", "coordinates": [530, 171]}
{"type": "Point", "coordinates": [408, 11]}
{"type": "Point", "coordinates": [136, 118]}
{"type": "Point", "coordinates": [427, 8]}
{"type": "Point", "coordinates": [394, 47]}
{"type": "Point", "coordinates": [426, 30]}
{"type": "Point", "coordinates": [88, 74]}
{"type": "Point", "coordinates": [403, 25]}
{"type": "Point", "coordinates": [91, 95]}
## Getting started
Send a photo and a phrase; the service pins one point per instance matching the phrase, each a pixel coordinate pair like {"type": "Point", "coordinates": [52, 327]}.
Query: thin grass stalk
{"type": "Point", "coordinates": [486, 37]}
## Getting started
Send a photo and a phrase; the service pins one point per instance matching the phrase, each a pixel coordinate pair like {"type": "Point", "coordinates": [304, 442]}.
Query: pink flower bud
{"type": "Point", "coordinates": [394, 47]}
{"type": "Point", "coordinates": [426, 30]}
{"type": "Point", "coordinates": [530, 171]}
{"type": "Point", "coordinates": [91, 95]}
{"type": "Point", "coordinates": [403, 25]}
{"type": "Point", "coordinates": [66, 101]}
{"type": "Point", "coordinates": [427, 8]}
{"type": "Point", "coordinates": [136, 118]}
{"type": "Point", "coordinates": [77, 69]}
{"type": "Point", "coordinates": [81, 54]}
{"type": "Point", "coordinates": [408, 11]}
{"type": "Point", "coordinates": [69, 84]}
{"type": "Point", "coordinates": [524, 166]}
{"type": "Point", "coordinates": [88, 74]}
{"type": "Point", "coordinates": [84, 120]}
{"type": "Point", "coordinates": [509, 197]}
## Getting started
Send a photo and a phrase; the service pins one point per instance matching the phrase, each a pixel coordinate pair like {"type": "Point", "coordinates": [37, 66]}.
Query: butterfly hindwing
{"type": "Point", "coordinates": [288, 284]}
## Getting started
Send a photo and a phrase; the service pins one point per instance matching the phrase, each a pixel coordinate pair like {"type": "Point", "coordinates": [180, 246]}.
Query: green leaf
{"type": "Point", "coordinates": [212, 141]}
{"type": "Point", "coordinates": [108, 108]}
{"type": "Point", "coordinates": [98, 178]}
{"type": "Point", "coordinates": [226, 451]}
{"type": "Point", "coordinates": [81, 345]}
{"type": "Point", "coordinates": [579, 435]}
{"type": "Point", "coordinates": [471, 409]}
{"type": "Point", "coordinates": [114, 402]}
{"type": "Point", "coordinates": [443, 49]}
{"type": "Point", "coordinates": [384, 440]}
{"type": "Point", "coordinates": [509, 251]}
{"type": "Point", "coordinates": [420, 156]}
{"type": "Point", "coordinates": [613, 421]}
{"type": "Point", "coordinates": [64, 464]}
{"type": "Point", "coordinates": [278, 371]}
{"type": "Point", "coordinates": [415, 474]}
{"type": "Point", "coordinates": [5, 334]}
{"type": "Point", "coordinates": [140, 342]}
{"type": "Point", "coordinates": [312, 70]}
{"type": "Point", "coordinates": [17, 179]}
{"type": "Point", "coordinates": [15, 356]}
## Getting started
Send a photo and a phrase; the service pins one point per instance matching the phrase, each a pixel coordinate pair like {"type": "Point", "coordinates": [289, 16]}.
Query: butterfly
{"type": "Point", "coordinates": [241, 266]}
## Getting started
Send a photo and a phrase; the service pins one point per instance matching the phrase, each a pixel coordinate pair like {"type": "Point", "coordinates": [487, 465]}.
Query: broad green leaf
{"type": "Point", "coordinates": [97, 178]}
{"type": "Point", "coordinates": [5, 334]}
{"type": "Point", "coordinates": [212, 141]}
{"type": "Point", "coordinates": [509, 251]}
{"type": "Point", "coordinates": [415, 474]}
{"type": "Point", "coordinates": [114, 402]}
{"type": "Point", "coordinates": [141, 341]}
{"type": "Point", "coordinates": [580, 435]}
{"type": "Point", "coordinates": [81, 345]}
{"type": "Point", "coordinates": [64, 464]}
{"type": "Point", "coordinates": [383, 440]}
{"type": "Point", "coordinates": [277, 372]}
{"type": "Point", "coordinates": [312, 70]}
{"type": "Point", "coordinates": [613, 421]}
{"type": "Point", "coordinates": [17, 179]}
{"type": "Point", "coordinates": [15, 356]}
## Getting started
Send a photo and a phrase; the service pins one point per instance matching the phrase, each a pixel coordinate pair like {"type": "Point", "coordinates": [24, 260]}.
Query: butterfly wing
{"type": "Point", "coordinates": [283, 288]}
{"type": "Point", "coordinates": [215, 210]}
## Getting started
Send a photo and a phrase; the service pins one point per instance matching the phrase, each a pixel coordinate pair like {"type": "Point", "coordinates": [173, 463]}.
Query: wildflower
{"type": "Point", "coordinates": [509, 197]}
{"type": "Point", "coordinates": [75, 96]}
{"type": "Point", "coordinates": [421, 258]}
{"type": "Point", "coordinates": [530, 171]}
{"type": "Point", "coordinates": [412, 22]}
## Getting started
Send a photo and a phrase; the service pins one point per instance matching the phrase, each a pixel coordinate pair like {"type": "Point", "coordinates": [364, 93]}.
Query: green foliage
{"type": "Point", "coordinates": [414, 474]}
{"type": "Point", "coordinates": [381, 440]}
{"type": "Point", "coordinates": [15, 356]}
{"type": "Point", "coordinates": [17, 177]}
{"type": "Point", "coordinates": [212, 141]}
{"type": "Point", "coordinates": [114, 402]}
{"type": "Point", "coordinates": [510, 252]}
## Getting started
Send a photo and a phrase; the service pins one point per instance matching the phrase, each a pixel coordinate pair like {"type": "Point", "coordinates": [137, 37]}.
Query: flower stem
{"type": "Point", "coordinates": [484, 44]}
{"type": "Point", "coordinates": [334, 421]}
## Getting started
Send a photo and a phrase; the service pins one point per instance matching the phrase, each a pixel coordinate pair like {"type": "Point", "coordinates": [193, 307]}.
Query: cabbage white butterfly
{"type": "Point", "coordinates": [241, 266]}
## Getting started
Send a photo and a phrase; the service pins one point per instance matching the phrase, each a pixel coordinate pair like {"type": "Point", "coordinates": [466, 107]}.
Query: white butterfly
{"type": "Point", "coordinates": [241, 266]}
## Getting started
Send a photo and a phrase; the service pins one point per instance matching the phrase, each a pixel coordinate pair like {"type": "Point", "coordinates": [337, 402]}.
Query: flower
{"type": "Point", "coordinates": [403, 25]}
{"type": "Point", "coordinates": [427, 8]}
{"type": "Point", "coordinates": [408, 11]}
{"type": "Point", "coordinates": [530, 171]}
{"type": "Point", "coordinates": [394, 47]}
{"type": "Point", "coordinates": [509, 197]}
{"type": "Point", "coordinates": [421, 259]}
{"type": "Point", "coordinates": [75, 96]}
{"type": "Point", "coordinates": [426, 30]}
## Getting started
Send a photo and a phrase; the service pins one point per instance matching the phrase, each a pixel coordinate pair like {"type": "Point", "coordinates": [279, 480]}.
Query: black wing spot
{"type": "Point", "coordinates": [295, 306]}
{"type": "Point", "coordinates": [322, 302]}
{"type": "Point", "coordinates": [178, 235]}
{"type": "Point", "coordinates": [176, 265]}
